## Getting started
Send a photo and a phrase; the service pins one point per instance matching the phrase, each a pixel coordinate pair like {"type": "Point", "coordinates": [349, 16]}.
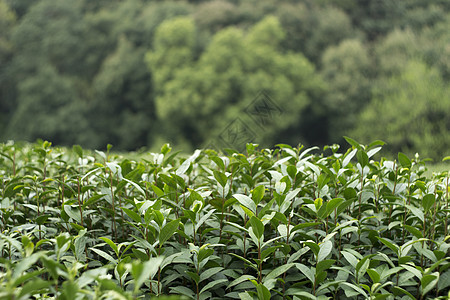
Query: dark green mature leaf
{"type": "Point", "coordinates": [414, 231]}
{"type": "Point", "coordinates": [314, 247]}
{"type": "Point", "coordinates": [404, 161]}
{"type": "Point", "coordinates": [219, 162]}
{"type": "Point", "coordinates": [263, 292]}
{"type": "Point", "coordinates": [25, 264]}
{"type": "Point", "coordinates": [73, 212]}
{"type": "Point", "coordinates": [428, 282]}
{"type": "Point", "coordinates": [399, 291]}
{"type": "Point", "coordinates": [389, 244]}
{"type": "Point", "coordinates": [246, 201]}
{"type": "Point", "coordinates": [240, 279]}
{"type": "Point", "coordinates": [167, 231]}
{"type": "Point", "coordinates": [182, 290]}
{"type": "Point", "coordinates": [324, 265]}
{"type": "Point", "coordinates": [362, 266]}
{"type": "Point", "coordinates": [362, 157]}
{"type": "Point", "coordinates": [142, 271]}
{"type": "Point", "coordinates": [132, 214]}
{"type": "Point", "coordinates": [374, 275]}
{"type": "Point", "coordinates": [278, 271]}
{"type": "Point", "coordinates": [416, 212]}
{"type": "Point", "coordinates": [331, 206]}
{"type": "Point", "coordinates": [257, 227]}
{"type": "Point", "coordinates": [352, 142]}
{"type": "Point", "coordinates": [194, 276]}
{"type": "Point", "coordinates": [427, 202]}
{"type": "Point", "coordinates": [213, 284]}
{"type": "Point", "coordinates": [104, 255]}
{"type": "Point", "coordinates": [306, 271]}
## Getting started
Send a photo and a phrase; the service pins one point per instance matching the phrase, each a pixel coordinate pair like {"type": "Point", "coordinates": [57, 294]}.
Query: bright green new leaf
{"type": "Point", "coordinates": [373, 274]}
{"type": "Point", "coordinates": [221, 178]}
{"type": "Point", "coordinates": [258, 193]}
{"type": "Point", "coordinates": [111, 244]}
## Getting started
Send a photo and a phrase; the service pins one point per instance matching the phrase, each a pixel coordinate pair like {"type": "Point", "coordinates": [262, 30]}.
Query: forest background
{"type": "Point", "coordinates": [137, 74]}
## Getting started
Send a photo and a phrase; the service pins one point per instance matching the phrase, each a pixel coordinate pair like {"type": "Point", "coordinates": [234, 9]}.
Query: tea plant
{"type": "Point", "coordinates": [283, 223]}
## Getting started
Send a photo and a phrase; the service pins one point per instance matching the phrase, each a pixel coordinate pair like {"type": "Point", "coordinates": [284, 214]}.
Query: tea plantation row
{"type": "Point", "coordinates": [283, 223]}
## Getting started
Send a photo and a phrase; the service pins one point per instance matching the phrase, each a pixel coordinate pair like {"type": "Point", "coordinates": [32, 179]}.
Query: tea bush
{"type": "Point", "coordinates": [283, 223]}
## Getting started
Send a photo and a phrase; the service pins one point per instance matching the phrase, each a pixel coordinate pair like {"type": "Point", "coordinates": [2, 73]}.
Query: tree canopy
{"type": "Point", "coordinates": [138, 73]}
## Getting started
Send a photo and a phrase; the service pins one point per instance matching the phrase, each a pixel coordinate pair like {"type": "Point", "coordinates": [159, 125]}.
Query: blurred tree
{"type": "Point", "coordinates": [48, 108]}
{"type": "Point", "coordinates": [346, 69]}
{"type": "Point", "coordinates": [216, 15]}
{"type": "Point", "coordinates": [155, 13]}
{"type": "Point", "coordinates": [209, 60]}
{"type": "Point", "coordinates": [435, 46]}
{"type": "Point", "coordinates": [411, 114]}
{"type": "Point", "coordinates": [7, 92]}
{"type": "Point", "coordinates": [48, 33]}
{"type": "Point", "coordinates": [21, 7]}
{"type": "Point", "coordinates": [46, 67]}
{"type": "Point", "coordinates": [173, 49]}
{"type": "Point", "coordinates": [394, 51]}
{"type": "Point", "coordinates": [333, 25]}
{"type": "Point", "coordinates": [311, 28]}
{"type": "Point", "coordinates": [206, 95]}
{"type": "Point", "coordinates": [122, 109]}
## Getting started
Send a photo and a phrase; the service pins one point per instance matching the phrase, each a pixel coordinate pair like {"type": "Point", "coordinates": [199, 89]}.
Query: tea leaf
{"type": "Point", "coordinates": [263, 292]}
{"type": "Point", "coordinates": [212, 284]}
{"type": "Point", "coordinates": [324, 265]}
{"type": "Point", "coordinates": [404, 161]}
{"type": "Point", "coordinates": [278, 271]}
{"type": "Point", "coordinates": [257, 227]}
{"type": "Point", "coordinates": [167, 231]}
{"type": "Point", "coordinates": [428, 201]}
{"type": "Point", "coordinates": [111, 244]}
{"type": "Point", "coordinates": [258, 194]}
{"type": "Point", "coordinates": [246, 201]}
{"type": "Point", "coordinates": [325, 250]}
{"type": "Point", "coordinates": [133, 215]}
{"type": "Point", "coordinates": [428, 282]}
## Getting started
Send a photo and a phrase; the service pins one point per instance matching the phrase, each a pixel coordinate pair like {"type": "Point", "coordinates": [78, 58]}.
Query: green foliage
{"type": "Point", "coordinates": [140, 73]}
{"type": "Point", "coordinates": [230, 72]}
{"type": "Point", "coordinates": [411, 124]}
{"type": "Point", "coordinates": [346, 69]}
{"type": "Point", "coordinates": [282, 223]}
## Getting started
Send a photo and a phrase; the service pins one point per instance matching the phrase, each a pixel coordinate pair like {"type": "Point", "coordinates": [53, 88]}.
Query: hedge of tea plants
{"type": "Point", "coordinates": [282, 223]}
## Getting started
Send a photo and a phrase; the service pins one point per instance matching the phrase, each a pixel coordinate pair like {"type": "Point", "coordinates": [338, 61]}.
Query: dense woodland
{"type": "Point", "coordinates": [140, 73]}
